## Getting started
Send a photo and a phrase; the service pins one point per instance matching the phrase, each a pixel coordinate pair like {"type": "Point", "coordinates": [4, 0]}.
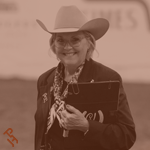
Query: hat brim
{"type": "Point", "coordinates": [97, 27]}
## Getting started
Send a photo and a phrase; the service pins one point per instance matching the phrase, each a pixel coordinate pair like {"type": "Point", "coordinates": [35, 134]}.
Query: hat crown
{"type": "Point", "coordinates": [69, 17]}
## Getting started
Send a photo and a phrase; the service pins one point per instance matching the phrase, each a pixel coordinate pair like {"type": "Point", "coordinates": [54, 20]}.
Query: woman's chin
{"type": "Point", "coordinates": [70, 62]}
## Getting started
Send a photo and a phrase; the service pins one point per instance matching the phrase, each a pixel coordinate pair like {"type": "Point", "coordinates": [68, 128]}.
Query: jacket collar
{"type": "Point", "coordinates": [87, 72]}
{"type": "Point", "coordinates": [85, 76]}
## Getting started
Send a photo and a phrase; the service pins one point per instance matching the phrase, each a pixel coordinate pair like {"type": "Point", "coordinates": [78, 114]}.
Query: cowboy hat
{"type": "Point", "coordinates": [71, 19]}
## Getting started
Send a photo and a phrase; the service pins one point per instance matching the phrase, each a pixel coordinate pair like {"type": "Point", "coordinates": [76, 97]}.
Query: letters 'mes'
{"type": "Point", "coordinates": [6, 6]}
{"type": "Point", "coordinates": [119, 17]}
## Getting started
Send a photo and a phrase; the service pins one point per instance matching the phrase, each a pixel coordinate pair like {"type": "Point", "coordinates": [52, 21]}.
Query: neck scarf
{"type": "Point", "coordinates": [59, 103]}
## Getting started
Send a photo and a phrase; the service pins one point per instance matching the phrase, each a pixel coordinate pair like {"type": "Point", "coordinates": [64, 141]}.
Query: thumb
{"type": "Point", "coordinates": [71, 108]}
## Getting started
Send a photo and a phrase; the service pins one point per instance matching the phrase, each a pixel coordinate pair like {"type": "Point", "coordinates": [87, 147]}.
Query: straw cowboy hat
{"type": "Point", "coordinates": [71, 19]}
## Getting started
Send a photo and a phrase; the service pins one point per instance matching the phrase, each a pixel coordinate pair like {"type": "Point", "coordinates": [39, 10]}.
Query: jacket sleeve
{"type": "Point", "coordinates": [119, 135]}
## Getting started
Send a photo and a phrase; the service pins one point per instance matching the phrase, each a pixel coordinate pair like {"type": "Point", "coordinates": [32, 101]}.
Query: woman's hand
{"type": "Point", "coordinates": [74, 120]}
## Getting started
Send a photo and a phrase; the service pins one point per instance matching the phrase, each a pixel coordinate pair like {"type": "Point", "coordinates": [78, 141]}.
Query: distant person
{"type": "Point", "coordinates": [73, 42]}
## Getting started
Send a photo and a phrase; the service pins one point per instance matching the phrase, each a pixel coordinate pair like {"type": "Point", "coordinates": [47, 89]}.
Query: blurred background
{"type": "Point", "coordinates": [24, 55]}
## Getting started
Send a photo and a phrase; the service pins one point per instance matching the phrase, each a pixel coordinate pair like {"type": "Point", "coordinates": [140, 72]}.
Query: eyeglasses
{"type": "Point", "coordinates": [73, 42]}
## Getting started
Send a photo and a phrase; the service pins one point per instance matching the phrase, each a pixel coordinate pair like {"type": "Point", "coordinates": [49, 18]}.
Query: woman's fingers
{"type": "Point", "coordinates": [63, 114]}
{"type": "Point", "coordinates": [72, 120]}
{"type": "Point", "coordinates": [62, 123]}
{"type": "Point", "coordinates": [71, 109]}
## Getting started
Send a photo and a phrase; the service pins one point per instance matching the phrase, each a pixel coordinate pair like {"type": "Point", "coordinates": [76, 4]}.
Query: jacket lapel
{"type": "Point", "coordinates": [47, 96]}
{"type": "Point", "coordinates": [46, 100]}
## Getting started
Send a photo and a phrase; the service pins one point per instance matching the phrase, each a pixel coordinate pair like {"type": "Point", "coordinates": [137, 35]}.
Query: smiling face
{"type": "Point", "coordinates": [71, 48]}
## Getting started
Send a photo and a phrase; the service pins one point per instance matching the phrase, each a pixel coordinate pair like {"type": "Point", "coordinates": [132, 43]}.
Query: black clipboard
{"type": "Point", "coordinates": [98, 101]}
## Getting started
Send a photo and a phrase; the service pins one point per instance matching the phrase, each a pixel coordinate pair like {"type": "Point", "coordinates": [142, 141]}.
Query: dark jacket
{"type": "Point", "coordinates": [117, 136]}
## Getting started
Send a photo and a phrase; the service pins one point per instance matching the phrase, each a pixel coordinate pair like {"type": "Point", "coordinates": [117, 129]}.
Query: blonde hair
{"type": "Point", "coordinates": [90, 38]}
{"type": "Point", "coordinates": [51, 42]}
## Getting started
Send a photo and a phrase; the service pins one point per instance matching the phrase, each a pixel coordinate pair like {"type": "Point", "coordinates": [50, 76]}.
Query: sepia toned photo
{"type": "Point", "coordinates": [74, 75]}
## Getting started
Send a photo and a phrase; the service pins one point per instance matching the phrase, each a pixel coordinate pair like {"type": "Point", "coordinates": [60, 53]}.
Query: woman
{"type": "Point", "coordinates": [73, 42]}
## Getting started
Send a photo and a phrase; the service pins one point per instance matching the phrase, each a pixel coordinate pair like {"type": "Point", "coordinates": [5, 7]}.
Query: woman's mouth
{"type": "Point", "coordinates": [70, 54]}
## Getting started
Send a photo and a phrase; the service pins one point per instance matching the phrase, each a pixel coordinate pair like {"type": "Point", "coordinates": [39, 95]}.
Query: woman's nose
{"type": "Point", "coordinates": [67, 46]}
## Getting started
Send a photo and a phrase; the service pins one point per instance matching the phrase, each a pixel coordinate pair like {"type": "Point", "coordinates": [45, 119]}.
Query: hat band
{"type": "Point", "coordinates": [57, 30]}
